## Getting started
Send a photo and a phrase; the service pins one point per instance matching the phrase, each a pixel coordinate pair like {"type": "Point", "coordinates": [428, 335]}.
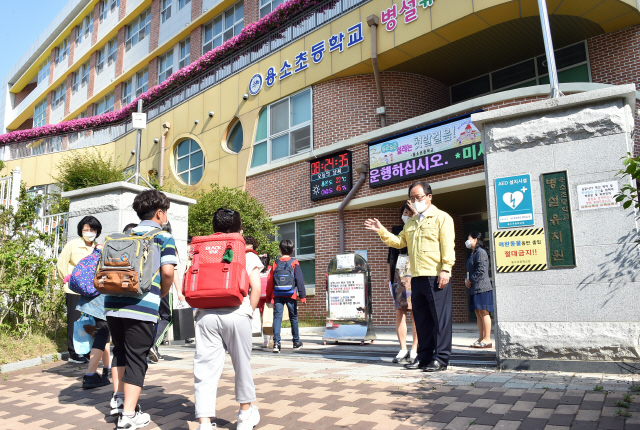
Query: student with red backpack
{"type": "Point", "coordinates": [284, 286]}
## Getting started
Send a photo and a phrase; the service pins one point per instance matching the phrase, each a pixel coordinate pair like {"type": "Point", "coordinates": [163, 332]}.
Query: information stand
{"type": "Point", "coordinates": [349, 300]}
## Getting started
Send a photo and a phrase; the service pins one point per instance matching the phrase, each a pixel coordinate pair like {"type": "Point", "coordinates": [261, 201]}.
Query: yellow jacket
{"type": "Point", "coordinates": [74, 251]}
{"type": "Point", "coordinates": [430, 242]}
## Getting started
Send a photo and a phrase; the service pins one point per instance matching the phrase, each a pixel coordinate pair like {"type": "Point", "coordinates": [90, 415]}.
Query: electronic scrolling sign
{"type": "Point", "coordinates": [331, 175]}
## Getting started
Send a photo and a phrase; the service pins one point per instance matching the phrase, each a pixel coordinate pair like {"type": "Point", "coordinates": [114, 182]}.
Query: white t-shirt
{"type": "Point", "coordinates": [252, 262]}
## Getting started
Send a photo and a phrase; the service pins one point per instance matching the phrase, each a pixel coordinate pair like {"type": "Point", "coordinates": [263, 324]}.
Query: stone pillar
{"type": "Point", "coordinates": [583, 318]}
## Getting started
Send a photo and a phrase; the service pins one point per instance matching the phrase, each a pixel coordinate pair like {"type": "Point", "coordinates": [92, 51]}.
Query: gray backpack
{"type": "Point", "coordinates": [128, 264]}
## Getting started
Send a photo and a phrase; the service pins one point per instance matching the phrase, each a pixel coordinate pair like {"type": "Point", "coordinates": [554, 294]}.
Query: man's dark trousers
{"type": "Point", "coordinates": [432, 310]}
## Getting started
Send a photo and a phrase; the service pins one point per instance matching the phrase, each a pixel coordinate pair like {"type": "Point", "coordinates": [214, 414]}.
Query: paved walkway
{"type": "Point", "coordinates": [302, 392]}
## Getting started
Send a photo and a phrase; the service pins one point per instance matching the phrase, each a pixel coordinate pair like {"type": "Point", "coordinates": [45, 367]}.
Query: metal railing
{"type": "Point", "coordinates": [297, 28]}
{"type": "Point", "coordinates": [58, 226]}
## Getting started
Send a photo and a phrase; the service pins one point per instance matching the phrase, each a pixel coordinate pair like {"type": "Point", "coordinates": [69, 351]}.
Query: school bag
{"type": "Point", "coordinates": [128, 264]}
{"type": "Point", "coordinates": [81, 279]}
{"type": "Point", "coordinates": [284, 281]}
{"type": "Point", "coordinates": [216, 275]}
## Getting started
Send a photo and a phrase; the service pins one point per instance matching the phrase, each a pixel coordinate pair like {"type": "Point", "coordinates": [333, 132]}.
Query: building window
{"type": "Point", "coordinates": [183, 3]}
{"type": "Point", "coordinates": [138, 29]}
{"type": "Point", "coordinates": [85, 73]}
{"type": "Point", "coordinates": [142, 80]}
{"type": "Point", "coordinates": [59, 95]}
{"type": "Point", "coordinates": [189, 161]}
{"type": "Point", "coordinates": [165, 12]}
{"type": "Point", "coordinates": [235, 138]}
{"type": "Point", "coordinates": [88, 26]}
{"type": "Point", "coordinates": [113, 51]}
{"type": "Point", "coordinates": [43, 71]}
{"type": "Point", "coordinates": [185, 53]}
{"type": "Point", "coordinates": [126, 92]}
{"type": "Point", "coordinates": [571, 62]}
{"type": "Point", "coordinates": [82, 114]}
{"type": "Point", "coordinates": [62, 52]}
{"type": "Point", "coordinates": [107, 7]}
{"type": "Point", "coordinates": [40, 114]}
{"type": "Point", "coordinates": [105, 104]}
{"type": "Point", "coordinates": [268, 6]}
{"type": "Point", "coordinates": [223, 27]}
{"type": "Point", "coordinates": [284, 129]}
{"type": "Point", "coordinates": [303, 236]}
{"type": "Point", "coordinates": [100, 60]}
{"type": "Point", "coordinates": [75, 81]}
{"type": "Point", "coordinates": [113, 5]}
{"type": "Point", "coordinates": [166, 66]}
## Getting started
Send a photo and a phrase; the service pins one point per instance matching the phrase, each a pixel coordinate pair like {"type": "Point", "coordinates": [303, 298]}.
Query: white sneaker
{"type": "Point", "coordinates": [138, 420]}
{"type": "Point", "coordinates": [250, 421]}
{"type": "Point", "coordinates": [414, 355]}
{"type": "Point", "coordinates": [117, 403]}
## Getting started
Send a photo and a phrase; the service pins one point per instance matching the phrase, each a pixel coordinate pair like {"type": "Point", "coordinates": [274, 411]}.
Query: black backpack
{"type": "Point", "coordinates": [284, 282]}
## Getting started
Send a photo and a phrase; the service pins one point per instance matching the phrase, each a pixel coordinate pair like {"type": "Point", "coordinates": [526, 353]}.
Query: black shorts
{"type": "Point", "coordinates": [101, 335]}
{"type": "Point", "coordinates": [132, 340]}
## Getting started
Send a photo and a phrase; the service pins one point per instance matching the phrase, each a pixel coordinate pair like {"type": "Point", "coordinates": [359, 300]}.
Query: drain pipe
{"type": "Point", "coordinates": [362, 169]}
{"type": "Point", "coordinates": [165, 130]}
{"type": "Point", "coordinates": [373, 21]}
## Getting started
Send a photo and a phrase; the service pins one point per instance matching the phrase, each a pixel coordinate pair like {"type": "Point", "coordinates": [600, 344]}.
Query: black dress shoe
{"type": "Point", "coordinates": [417, 364]}
{"type": "Point", "coordinates": [435, 366]}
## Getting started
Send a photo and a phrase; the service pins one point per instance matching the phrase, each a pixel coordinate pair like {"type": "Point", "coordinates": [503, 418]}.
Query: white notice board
{"type": "Point", "coordinates": [346, 296]}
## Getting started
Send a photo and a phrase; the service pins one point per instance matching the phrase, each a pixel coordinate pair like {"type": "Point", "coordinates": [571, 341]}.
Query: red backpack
{"type": "Point", "coordinates": [216, 276]}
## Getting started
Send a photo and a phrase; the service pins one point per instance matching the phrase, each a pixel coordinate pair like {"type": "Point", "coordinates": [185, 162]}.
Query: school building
{"type": "Point", "coordinates": [306, 101]}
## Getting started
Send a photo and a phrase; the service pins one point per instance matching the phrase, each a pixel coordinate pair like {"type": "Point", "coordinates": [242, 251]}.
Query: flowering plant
{"type": "Point", "coordinates": [251, 33]}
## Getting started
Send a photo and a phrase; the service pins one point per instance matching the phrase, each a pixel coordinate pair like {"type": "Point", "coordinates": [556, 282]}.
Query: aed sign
{"type": "Point", "coordinates": [514, 201]}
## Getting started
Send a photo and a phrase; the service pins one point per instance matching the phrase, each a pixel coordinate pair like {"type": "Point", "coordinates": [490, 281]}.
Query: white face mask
{"type": "Point", "coordinates": [405, 218]}
{"type": "Point", "coordinates": [420, 206]}
{"type": "Point", "coordinates": [468, 244]}
{"type": "Point", "coordinates": [88, 236]}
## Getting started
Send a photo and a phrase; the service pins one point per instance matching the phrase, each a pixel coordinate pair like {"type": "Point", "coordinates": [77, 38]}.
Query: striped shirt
{"type": "Point", "coordinates": [145, 308]}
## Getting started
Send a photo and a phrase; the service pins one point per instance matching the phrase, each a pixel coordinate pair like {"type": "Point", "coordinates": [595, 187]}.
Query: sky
{"type": "Point", "coordinates": [21, 22]}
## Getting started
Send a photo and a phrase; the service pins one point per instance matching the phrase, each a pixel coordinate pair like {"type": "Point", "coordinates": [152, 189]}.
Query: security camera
{"type": "Point", "coordinates": [156, 140]}
{"type": "Point", "coordinates": [166, 125]}
{"type": "Point", "coordinates": [245, 96]}
{"type": "Point", "coordinates": [133, 152]}
{"type": "Point", "coordinates": [210, 114]}
{"type": "Point", "coordinates": [196, 122]}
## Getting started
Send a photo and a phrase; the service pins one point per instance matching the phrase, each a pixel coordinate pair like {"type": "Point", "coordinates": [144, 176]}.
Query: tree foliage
{"type": "Point", "coordinates": [31, 297]}
{"type": "Point", "coordinates": [628, 194]}
{"type": "Point", "coordinates": [255, 220]}
{"type": "Point", "coordinates": [87, 169]}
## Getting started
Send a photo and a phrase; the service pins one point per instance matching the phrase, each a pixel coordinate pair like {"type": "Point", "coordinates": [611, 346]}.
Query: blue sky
{"type": "Point", "coordinates": [21, 22]}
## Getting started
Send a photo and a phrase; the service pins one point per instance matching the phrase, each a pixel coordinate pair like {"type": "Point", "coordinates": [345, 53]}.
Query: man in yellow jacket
{"type": "Point", "coordinates": [429, 236]}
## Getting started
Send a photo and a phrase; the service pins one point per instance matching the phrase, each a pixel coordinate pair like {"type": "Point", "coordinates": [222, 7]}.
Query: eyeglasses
{"type": "Point", "coordinates": [418, 198]}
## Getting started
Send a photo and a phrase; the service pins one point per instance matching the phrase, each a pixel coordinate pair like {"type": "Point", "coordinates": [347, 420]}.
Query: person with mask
{"type": "Point", "coordinates": [480, 288]}
{"type": "Point", "coordinates": [399, 270]}
{"type": "Point", "coordinates": [429, 237]}
{"type": "Point", "coordinates": [89, 228]}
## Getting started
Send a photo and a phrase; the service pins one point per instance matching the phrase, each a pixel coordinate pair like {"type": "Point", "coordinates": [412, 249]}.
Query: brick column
{"type": "Point", "coordinates": [120, 54]}
{"type": "Point", "coordinates": [90, 110]}
{"type": "Point", "coordinates": [72, 45]}
{"type": "Point", "coordinates": [92, 74]}
{"type": "Point", "coordinates": [67, 99]}
{"type": "Point", "coordinates": [251, 11]}
{"type": "Point", "coordinates": [96, 23]}
{"type": "Point", "coordinates": [196, 9]}
{"type": "Point", "coordinates": [52, 64]}
{"type": "Point", "coordinates": [155, 25]}
{"type": "Point", "coordinates": [123, 10]}
{"type": "Point", "coordinates": [49, 101]}
{"type": "Point", "coordinates": [153, 73]}
{"type": "Point", "coordinates": [117, 103]}
{"type": "Point", "coordinates": [196, 43]}
{"type": "Point", "coordinates": [459, 291]}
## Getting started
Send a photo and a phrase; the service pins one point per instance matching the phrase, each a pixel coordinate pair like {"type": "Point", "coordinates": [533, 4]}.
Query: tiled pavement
{"type": "Point", "coordinates": [306, 393]}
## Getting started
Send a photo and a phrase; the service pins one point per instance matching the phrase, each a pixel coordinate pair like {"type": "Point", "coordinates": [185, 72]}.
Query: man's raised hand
{"type": "Point", "coordinates": [373, 225]}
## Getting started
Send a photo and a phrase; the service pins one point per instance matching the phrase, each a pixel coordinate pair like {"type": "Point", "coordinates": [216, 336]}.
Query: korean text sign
{"type": "Point", "coordinates": [557, 213]}
{"type": "Point", "coordinates": [597, 196]}
{"type": "Point", "coordinates": [520, 250]}
{"type": "Point", "coordinates": [346, 296]}
{"type": "Point", "coordinates": [442, 147]}
{"type": "Point", "coordinates": [514, 201]}
{"type": "Point", "coordinates": [330, 176]}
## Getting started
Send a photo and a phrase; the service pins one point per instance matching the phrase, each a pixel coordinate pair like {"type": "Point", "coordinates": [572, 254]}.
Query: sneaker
{"type": "Point", "coordinates": [297, 345]}
{"type": "Point", "coordinates": [138, 420]}
{"type": "Point", "coordinates": [402, 355]}
{"type": "Point", "coordinates": [160, 357]}
{"type": "Point", "coordinates": [276, 347]}
{"type": "Point", "coordinates": [249, 422]}
{"type": "Point", "coordinates": [94, 381]}
{"type": "Point", "coordinates": [106, 373]}
{"type": "Point", "coordinates": [153, 354]}
{"type": "Point", "coordinates": [80, 359]}
{"type": "Point", "coordinates": [117, 403]}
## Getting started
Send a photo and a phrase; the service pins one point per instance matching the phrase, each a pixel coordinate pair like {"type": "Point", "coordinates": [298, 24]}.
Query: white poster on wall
{"type": "Point", "coordinates": [597, 196]}
{"type": "Point", "coordinates": [346, 296]}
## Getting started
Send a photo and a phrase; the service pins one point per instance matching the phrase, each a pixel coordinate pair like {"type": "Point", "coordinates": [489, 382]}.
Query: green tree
{"type": "Point", "coordinates": [255, 220]}
{"type": "Point", "coordinates": [31, 298]}
{"type": "Point", "coordinates": [628, 194]}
